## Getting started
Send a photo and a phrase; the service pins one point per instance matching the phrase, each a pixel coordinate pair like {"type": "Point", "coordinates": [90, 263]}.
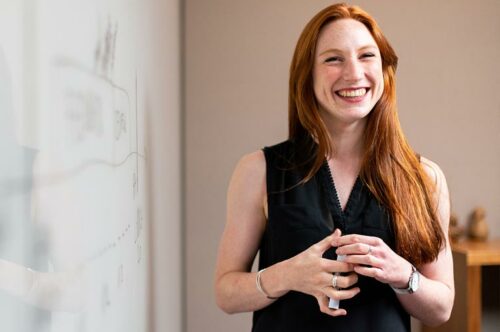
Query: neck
{"type": "Point", "coordinates": [347, 140]}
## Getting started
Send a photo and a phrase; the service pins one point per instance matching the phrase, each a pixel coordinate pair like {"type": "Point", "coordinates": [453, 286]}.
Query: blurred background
{"type": "Point", "coordinates": [121, 122]}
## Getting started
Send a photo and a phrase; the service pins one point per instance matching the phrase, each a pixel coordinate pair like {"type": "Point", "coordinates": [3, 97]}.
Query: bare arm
{"type": "Point", "coordinates": [308, 272]}
{"type": "Point", "coordinates": [245, 224]}
{"type": "Point", "coordinates": [433, 301]}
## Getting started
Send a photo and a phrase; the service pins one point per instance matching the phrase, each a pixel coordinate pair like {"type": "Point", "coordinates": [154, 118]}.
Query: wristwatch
{"type": "Point", "coordinates": [413, 283]}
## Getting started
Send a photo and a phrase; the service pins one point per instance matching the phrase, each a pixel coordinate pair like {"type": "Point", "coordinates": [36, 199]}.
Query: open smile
{"type": "Point", "coordinates": [352, 95]}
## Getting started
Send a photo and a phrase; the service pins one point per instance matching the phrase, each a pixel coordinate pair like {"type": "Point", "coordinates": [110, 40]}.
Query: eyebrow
{"type": "Point", "coordinates": [336, 50]}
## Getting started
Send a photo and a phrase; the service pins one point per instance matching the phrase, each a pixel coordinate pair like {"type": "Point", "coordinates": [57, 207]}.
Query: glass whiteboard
{"type": "Point", "coordinates": [73, 203]}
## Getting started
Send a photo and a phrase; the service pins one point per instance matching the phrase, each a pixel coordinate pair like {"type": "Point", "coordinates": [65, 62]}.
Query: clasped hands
{"type": "Point", "coordinates": [369, 256]}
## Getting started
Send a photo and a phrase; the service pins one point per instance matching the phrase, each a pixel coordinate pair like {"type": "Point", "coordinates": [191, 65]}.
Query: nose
{"type": "Point", "coordinates": [353, 70]}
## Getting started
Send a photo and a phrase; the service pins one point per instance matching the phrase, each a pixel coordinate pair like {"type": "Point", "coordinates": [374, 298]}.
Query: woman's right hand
{"type": "Point", "coordinates": [312, 274]}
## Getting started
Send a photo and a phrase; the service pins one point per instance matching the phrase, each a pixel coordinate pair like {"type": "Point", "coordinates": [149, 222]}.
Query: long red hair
{"type": "Point", "coordinates": [391, 169]}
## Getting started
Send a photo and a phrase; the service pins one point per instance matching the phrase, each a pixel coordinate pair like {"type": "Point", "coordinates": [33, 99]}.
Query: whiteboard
{"type": "Point", "coordinates": [73, 212]}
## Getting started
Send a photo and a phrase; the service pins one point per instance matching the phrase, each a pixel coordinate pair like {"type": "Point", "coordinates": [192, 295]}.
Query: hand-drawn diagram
{"type": "Point", "coordinates": [88, 188]}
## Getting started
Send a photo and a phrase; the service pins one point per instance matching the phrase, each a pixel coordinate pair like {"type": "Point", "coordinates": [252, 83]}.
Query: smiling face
{"type": "Point", "coordinates": [347, 73]}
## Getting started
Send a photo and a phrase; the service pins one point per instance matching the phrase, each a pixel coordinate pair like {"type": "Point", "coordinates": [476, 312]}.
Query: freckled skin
{"type": "Point", "coordinates": [347, 57]}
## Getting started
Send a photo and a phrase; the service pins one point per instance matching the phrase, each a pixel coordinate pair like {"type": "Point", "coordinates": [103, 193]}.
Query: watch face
{"type": "Point", "coordinates": [414, 282]}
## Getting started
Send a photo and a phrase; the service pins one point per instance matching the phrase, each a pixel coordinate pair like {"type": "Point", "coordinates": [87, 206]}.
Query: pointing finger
{"type": "Point", "coordinates": [326, 243]}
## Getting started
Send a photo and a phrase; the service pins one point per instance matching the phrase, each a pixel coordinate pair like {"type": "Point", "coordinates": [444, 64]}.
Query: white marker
{"type": "Point", "coordinates": [334, 304]}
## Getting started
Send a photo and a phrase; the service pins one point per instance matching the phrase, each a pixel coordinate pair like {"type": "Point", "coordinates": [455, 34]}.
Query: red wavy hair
{"type": "Point", "coordinates": [390, 169]}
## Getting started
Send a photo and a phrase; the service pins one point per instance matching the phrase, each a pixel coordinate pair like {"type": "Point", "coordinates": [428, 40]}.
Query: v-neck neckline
{"type": "Point", "coordinates": [335, 206]}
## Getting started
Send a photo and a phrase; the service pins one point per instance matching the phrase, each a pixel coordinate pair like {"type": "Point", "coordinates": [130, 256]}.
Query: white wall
{"type": "Point", "coordinates": [164, 125]}
{"type": "Point", "coordinates": [237, 57]}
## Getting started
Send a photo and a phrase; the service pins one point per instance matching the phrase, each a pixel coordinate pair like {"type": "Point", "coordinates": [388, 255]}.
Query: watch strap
{"type": "Point", "coordinates": [411, 287]}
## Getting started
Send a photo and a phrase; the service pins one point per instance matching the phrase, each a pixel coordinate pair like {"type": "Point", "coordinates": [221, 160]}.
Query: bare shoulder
{"type": "Point", "coordinates": [253, 164]}
{"type": "Point", "coordinates": [433, 171]}
{"type": "Point", "coordinates": [441, 194]}
{"type": "Point", "coordinates": [248, 183]}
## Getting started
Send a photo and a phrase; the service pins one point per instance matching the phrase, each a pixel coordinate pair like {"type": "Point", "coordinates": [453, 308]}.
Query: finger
{"type": "Point", "coordinates": [323, 306]}
{"type": "Point", "coordinates": [325, 244]}
{"type": "Point", "coordinates": [357, 260]}
{"type": "Point", "coordinates": [341, 294]}
{"type": "Point", "coordinates": [355, 238]}
{"type": "Point", "coordinates": [371, 272]}
{"type": "Point", "coordinates": [347, 281]}
{"type": "Point", "coordinates": [356, 248]}
{"type": "Point", "coordinates": [332, 266]}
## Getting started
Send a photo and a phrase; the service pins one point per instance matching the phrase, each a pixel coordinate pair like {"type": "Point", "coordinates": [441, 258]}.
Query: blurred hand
{"type": "Point", "coordinates": [372, 257]}
{"type": "Point", "coordinates": [312, 274]}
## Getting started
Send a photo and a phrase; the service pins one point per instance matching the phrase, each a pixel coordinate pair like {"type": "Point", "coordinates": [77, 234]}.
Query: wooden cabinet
{"type": "Point", "coordinates": [468, 258]}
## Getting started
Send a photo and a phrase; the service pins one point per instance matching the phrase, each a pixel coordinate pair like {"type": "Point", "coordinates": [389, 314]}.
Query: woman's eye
{"type": "Point", "coordinates": [367, 55]}
{"type": "Point", "coordinates": [333, 59]}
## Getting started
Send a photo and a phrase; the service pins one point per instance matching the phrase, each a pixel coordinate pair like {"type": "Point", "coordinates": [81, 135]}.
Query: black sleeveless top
{"type": "Point", "coordinates": [301, 215]}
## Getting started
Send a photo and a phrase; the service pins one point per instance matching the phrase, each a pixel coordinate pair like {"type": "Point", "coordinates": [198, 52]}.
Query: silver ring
{"type": "Point", "coordinates": [369, 249]}
{"type": "Point", "coordinates": [334, 281]}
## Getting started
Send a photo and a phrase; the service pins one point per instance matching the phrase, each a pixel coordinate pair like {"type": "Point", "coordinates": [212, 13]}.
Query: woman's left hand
{"type": "Point", "coordinates": [372, 257]}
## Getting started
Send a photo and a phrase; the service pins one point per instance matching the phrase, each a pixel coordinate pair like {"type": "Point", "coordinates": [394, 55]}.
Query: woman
{"type": "Point", "coordinates": [345, 183]}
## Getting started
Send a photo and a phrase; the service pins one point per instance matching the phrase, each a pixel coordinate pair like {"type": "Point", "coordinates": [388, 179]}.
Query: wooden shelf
{"type": "Point", "coordinates": [468, 257]}
{"type": "Point", "coordinates": [479, 253]}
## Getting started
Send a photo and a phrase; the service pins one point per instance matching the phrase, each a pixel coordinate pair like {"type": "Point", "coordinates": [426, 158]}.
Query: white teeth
{"type": "Point", "coordinates": [352, 93]}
